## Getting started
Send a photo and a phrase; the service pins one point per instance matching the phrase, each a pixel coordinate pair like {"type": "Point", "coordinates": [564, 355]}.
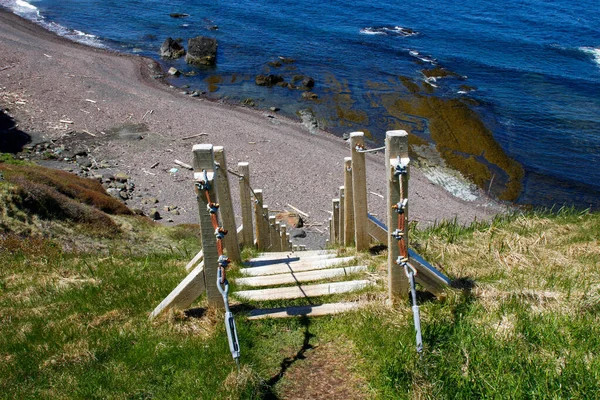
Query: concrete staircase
{"type": "Point", "coordinates": [293, 275]}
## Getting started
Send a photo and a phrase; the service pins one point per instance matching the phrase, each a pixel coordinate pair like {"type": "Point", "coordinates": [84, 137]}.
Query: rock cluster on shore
{"type": "Point", "coordinates": [75, 157]}
{"type": "Point", "coordinates": [201, 51]}
{"type": "Point", "coordinates": [171, 49]}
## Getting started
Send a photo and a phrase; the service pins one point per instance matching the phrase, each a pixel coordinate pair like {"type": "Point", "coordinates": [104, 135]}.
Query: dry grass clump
{"type": "Point", "coordinates": [82, 190]}
{"type": "Point", "coordinates": [528, 255]}
{"type": "Point", "coordinates": [31, 195]}
{"type": "Point", "coordinates": [201, 322]}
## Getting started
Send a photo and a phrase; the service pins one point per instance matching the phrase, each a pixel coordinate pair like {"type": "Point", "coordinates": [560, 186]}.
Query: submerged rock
{"type": "Point", "coordinates": [201, 51]}
{"type": "Point", "coordinates": [308, 82]}
{"type": "Point", "coordinates": [268, 80]}
{"type": "Point", "coordinates": [171, 49]}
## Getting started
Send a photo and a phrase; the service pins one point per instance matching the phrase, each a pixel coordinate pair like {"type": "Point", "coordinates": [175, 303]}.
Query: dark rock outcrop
{"type": "Point", "coordinates": [268, 80]}
{"type": "Point", "coordinates": [171, 49]}
{"type": "Point", "coordinates": [308, 82]}
{"type": "Point", "coordinates": [201, 51]}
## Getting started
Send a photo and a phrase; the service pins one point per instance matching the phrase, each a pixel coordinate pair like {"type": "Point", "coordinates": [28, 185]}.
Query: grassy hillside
{"type": "Point", "coordinates": [76, 291]}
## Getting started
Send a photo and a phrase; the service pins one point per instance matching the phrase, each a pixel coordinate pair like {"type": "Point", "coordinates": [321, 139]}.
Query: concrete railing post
{"type": "Point", "coordinates": [396, 151]}
{"type": "Point", "coordinates": [230, 241]}
{"type": "Point", "coordinates": [267, 226]}
{"type": "Point", "coordinates": [284, 243]}
{"type": "Point", "coordinates": [359, 186]}
{"type": "Point", "coordinates": [261, 231]}
{"type": "Point", "coordinates": [348, 203]}
{"type": "Point", "coordinates": [278, 236]}
{"type": "Point", "coordinates": [335, 220]}
{"type": "Point", "coordinates": [341, 239]}
{"type": "Point", "coordinates": [273, 234]}
{"type": "Point", "coordinates": [246, 203]}
{"type": "Point", "coordinates": [204, 161]}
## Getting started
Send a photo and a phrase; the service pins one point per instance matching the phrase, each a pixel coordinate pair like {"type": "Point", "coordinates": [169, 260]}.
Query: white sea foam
{"type": "Point", "coordinates": [434, 168]}
{"type": "Point", "coordinates": [371, 31]}
{"type": "Point", "coordinates": [452, 181]}
{"type": "Point", "coordinates": [388, 30]}
{"type": "Point", "coordinates": [594, 51]}
{"type": "Point", "coordinates": [24, 4]}
{"type": "Point", "coordinates": [421, 57]}
{"type": "Point", "coordinates": [31, 12]}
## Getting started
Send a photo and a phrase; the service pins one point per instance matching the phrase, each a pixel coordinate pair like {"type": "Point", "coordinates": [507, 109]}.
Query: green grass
{"type": "Point", "coordinates": [74, 322]}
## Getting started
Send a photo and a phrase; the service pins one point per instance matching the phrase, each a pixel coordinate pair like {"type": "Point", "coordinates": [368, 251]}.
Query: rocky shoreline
{"type": "Point", "coordinates": [65, 96]}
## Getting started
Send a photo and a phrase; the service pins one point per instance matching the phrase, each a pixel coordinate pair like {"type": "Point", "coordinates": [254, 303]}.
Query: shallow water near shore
{"type": "Point", "coordinates": [507, 91]}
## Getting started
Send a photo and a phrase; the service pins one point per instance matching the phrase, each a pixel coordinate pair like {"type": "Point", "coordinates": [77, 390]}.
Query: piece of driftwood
{"type": "Point", "coordinates": [194, 136]}
{"type": "Point", "coordinates": [149, 112]}
{"type": "Point", "coordinates": [298, 211]}
{"type": "Point", "coordinates": [184, 165]}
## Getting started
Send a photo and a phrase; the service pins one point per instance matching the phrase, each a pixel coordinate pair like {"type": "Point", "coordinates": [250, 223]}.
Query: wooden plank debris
{"type": "Point", "coordinates": [184, 165]}
{"type": "Point", "coordinates": [298, 211]}
{"type": "Point", "coordinates": [194, 136]}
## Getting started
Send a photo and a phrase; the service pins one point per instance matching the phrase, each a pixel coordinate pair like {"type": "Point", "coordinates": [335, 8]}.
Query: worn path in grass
{"type": "Point", "coordinates": [45, 79]}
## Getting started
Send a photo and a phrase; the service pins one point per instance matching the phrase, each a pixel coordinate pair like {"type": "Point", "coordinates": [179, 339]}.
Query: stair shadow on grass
{"type": "Point", "coordinates": [287, 362]}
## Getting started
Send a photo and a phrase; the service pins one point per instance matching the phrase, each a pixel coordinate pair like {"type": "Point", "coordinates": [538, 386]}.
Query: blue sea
{"type": "Point", "coordinates": [530, 68]}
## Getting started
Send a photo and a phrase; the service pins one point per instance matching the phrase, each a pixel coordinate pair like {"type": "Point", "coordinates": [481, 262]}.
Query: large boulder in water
{"type": "Point", "coordinates": [201, 51]}
{"type": "Point", "coordinates": [171, 49]}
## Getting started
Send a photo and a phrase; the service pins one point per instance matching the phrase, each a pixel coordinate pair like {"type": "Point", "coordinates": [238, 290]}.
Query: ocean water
{"type": "Point", "coordinates": [529, 68]}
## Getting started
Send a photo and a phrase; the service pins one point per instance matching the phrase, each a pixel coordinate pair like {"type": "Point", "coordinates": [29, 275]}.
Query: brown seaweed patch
{"type": "Point", "coordinates": [414, 140]}
{"type": "Point", "coordinates": [343, 101]}
{"type": "Point", "coordinates": [457, 129]}
{"type": "Point", "coordinates": [213, 82]}
{"type": "Point", "coordinates": [410, 85]}
{"type": "Point", "coordinates": [353, 116]}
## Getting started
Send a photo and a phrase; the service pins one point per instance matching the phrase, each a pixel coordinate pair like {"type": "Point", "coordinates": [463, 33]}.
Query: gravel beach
{"type": "Point", "coordinates": [110, 103]}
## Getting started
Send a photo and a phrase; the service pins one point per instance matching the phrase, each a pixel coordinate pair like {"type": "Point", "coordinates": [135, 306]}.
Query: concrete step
{"type": "Point", "coordinates": [258, 262]}
{"type": "Point", "coordinates": [308, 311]}
{"type": "Point", "coordinates": [284, 254]}
{"type": "Point", "coordinates": [295, 292]}
{"type": "Point", "coordinates": [289, 277]}
{"type": "Point", "coordinates": [299, 266]}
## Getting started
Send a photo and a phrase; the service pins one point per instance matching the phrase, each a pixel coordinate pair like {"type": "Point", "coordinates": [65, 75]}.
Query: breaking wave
{"type": "Point", "coordinates": [594, 51]}
{"type": "Point", "coordinates": [389, 30]}
{"type": "Point", "coordinates": [32, 13]}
